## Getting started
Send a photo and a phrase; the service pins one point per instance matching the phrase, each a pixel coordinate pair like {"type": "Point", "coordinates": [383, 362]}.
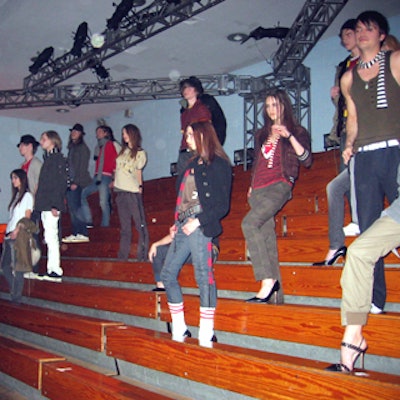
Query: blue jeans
{"type": "Point", "coordinates": [200, 247]}
{"type": "Point", "coordinates": [103, 187]}
{"type": "Point", "coordinates": [74, 208]}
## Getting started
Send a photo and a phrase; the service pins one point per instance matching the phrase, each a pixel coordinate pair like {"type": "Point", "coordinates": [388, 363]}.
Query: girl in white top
{"type": "Point", "coordinates": [21, 206]}
{"type": "Point", "coordinates": [128, 185]}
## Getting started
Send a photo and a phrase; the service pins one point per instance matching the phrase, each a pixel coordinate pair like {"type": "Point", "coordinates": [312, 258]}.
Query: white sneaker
{"type": "Point", "coordinates": [69, 239]}
{"type": "Point", "coordinates": [52, 277]}
{"type": "Point", "coordinates": [351, 229]}
{"type": "Point", "coordinates": [375, 310]}
{"type": "Point", "coordinates": [75, 239]}
{"type": "Point", "coordinates": [30, 275]}
{"type": "Point", "coordinates": [80, 238]}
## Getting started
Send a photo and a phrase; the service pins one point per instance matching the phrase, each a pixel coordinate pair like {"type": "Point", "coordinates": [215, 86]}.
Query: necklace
{"type": "Point", "coordinates": [369, 64]}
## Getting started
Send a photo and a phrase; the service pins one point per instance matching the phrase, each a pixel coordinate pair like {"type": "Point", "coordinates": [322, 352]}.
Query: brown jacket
{"type": "Point", "coordinates": [23, 254]}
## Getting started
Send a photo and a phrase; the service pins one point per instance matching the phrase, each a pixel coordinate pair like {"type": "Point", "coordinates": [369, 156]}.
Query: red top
{"type": "Point", "coordinates": [198, 112]}
{"type": "Point", "coordinates": [110, 156]}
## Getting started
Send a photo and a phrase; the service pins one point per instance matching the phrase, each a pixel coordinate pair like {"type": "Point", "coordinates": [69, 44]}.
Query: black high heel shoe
{"type": "Point", "coordinates": [339, 253]}
{"type": "Point", "coordinates": [359, 353]}
{"type": "Point", "coordinates": [274, 292]}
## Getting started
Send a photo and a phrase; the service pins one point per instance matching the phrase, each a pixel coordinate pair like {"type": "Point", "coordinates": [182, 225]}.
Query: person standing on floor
{"type": "Point", "coordinates": [372, 93]}
{"type": "Point", "coordinates": [203, 200]}
{"type": "Point", "coordinates": [78, 164]}
{"type": "Point", "coordinates": [14, 263]}
{"type": "Point", "coordinates": [280, 146]}
{"type": "Point", "coordinates": [128, 185]}
{"type": "Point", "coordinates": [50, 200]}
{"type": "Point", "coordinates": [105, 156]}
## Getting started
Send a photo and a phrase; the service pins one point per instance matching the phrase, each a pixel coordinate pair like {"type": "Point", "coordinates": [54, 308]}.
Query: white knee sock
{"type": "Point", "coordinates": [178, 321]}
{"type": "Point", "coordinates": [206, 331]}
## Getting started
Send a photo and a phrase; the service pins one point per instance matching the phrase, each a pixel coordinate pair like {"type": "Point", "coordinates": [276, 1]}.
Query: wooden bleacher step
{"type": "Point", "coordinates": [297, 280]}
{"type": "Point", "coordinates": [23, 362]}
{"type": "Point", "coordinates": [311, 325]}
{"type": "Point", "coordinates": [64, 380]}
{"type": "Point", "coordinates": [250, 372]}
{"type": "Point", "coordinates": [71, 328]}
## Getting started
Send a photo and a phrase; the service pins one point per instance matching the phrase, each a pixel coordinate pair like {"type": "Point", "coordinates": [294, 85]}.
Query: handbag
{"type": "Point", "coordinates": [35, 252]}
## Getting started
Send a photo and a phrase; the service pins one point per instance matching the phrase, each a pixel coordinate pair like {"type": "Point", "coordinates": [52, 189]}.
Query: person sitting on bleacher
{"type": "Point", "coordinates": [280, 146]}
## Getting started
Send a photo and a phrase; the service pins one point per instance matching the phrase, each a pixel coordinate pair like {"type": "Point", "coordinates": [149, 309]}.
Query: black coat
{"type": "Point", "coordinates": [52, 184]}
{"type": "Point", "coordinates": [213, 183]}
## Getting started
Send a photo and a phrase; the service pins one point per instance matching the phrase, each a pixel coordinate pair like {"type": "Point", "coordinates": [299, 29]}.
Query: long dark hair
{"type": "Point", "coordinates": [135, 138]}
{"type": "Point", "coordinates": [207, 143]}
{"type": "Point", "coordinates": [18, 194]}
{"type": "Point", "coordinates": [287, 118]}
{"type": "Point", "coordinates": [71, 143]}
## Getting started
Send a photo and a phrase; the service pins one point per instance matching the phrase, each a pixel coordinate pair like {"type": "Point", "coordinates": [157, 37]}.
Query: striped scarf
{"type": "Point", "coordinates": [381, 99]}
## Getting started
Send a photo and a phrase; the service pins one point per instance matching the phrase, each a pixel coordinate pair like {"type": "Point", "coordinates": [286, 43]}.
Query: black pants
{"type": "Point", "coordinates": [14, 279]}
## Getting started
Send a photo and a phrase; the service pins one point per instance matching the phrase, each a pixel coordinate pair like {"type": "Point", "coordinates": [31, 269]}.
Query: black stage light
{"type": "Point", "coordinates": [79, 40]}
{"type": "Point", "coordinates": [238, 156]}
{"type": "Point", "coordinates": [121, 12]}
{"type": "Point", "coordinates": [41, 59]}
{"type": "Point", "coordinates": [173, 169]}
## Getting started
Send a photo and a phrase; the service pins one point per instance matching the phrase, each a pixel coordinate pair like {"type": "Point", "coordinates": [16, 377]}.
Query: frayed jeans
{"type": "Point", "coordinates": [200, 247]}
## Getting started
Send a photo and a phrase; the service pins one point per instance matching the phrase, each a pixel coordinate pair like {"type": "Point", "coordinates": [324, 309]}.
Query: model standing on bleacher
{"type": "Point", "coordinates": [203, 200]}
{"type": "Point", "coordinates": [280, 146]}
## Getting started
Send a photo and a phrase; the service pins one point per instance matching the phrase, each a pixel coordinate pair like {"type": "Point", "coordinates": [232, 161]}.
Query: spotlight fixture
{"type": "Point", "coordinates": [173, 169]}
{"type": "Point", "coordinates": [279, 32]}
{"type": "Point", "coordinates": [98, 67]}
{"type": "Point", "coordinates": [237, 37]}
{"type": "Point", "coordinates": [79, 40]}
{"type": "Point", "coordinates": [238, 156]}
{"type": "Point", "coordinates": [121, 12]}
{"type": "Point", "coordinates": [41, 59]}
{"type": "Point", "coordinates": [97, 40]}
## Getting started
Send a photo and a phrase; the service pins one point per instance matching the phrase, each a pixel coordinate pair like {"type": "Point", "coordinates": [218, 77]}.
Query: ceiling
{"type": "Point", "coordinates": [195, 47]}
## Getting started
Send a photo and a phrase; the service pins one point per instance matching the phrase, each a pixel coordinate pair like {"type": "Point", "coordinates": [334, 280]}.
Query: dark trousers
{"type": "Point", "coordinates": [14, 279]}
{"type": "Point", "coordinates": [130, 206]}
{"type": "Point", "coordinates": [375, 175]}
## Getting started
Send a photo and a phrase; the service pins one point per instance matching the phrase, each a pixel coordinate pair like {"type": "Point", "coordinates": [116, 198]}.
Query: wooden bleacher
{"type": "Point", "coordinates": [94, 279]}
{"type": "Point", "coordinates": [24, 362]}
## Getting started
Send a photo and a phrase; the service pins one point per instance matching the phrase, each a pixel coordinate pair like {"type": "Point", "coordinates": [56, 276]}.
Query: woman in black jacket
{"type": "Point", "coordinates": [203, 200]}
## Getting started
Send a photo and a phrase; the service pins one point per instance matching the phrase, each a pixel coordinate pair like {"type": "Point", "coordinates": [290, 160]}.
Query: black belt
{"type": "Point", "coordinates": [189, 212]}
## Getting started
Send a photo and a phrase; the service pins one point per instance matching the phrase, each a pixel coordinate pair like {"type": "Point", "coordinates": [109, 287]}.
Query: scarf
{"type": "Point", "coordinates": [102, 145]}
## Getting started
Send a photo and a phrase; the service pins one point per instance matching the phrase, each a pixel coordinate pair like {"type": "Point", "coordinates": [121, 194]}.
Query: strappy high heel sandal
{"type": "Point", "coordinates": [359, 353]}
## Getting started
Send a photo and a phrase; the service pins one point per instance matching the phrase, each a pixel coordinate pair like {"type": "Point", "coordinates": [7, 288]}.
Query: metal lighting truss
{"type": "Point", "coordinates": [312, 21]}
{"type": "Point", "coordinates": [288, 71]}
{"type": "Point", "coordinates": [127, 90]}
{"type": "Point", "coordinates": [133, 29]}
